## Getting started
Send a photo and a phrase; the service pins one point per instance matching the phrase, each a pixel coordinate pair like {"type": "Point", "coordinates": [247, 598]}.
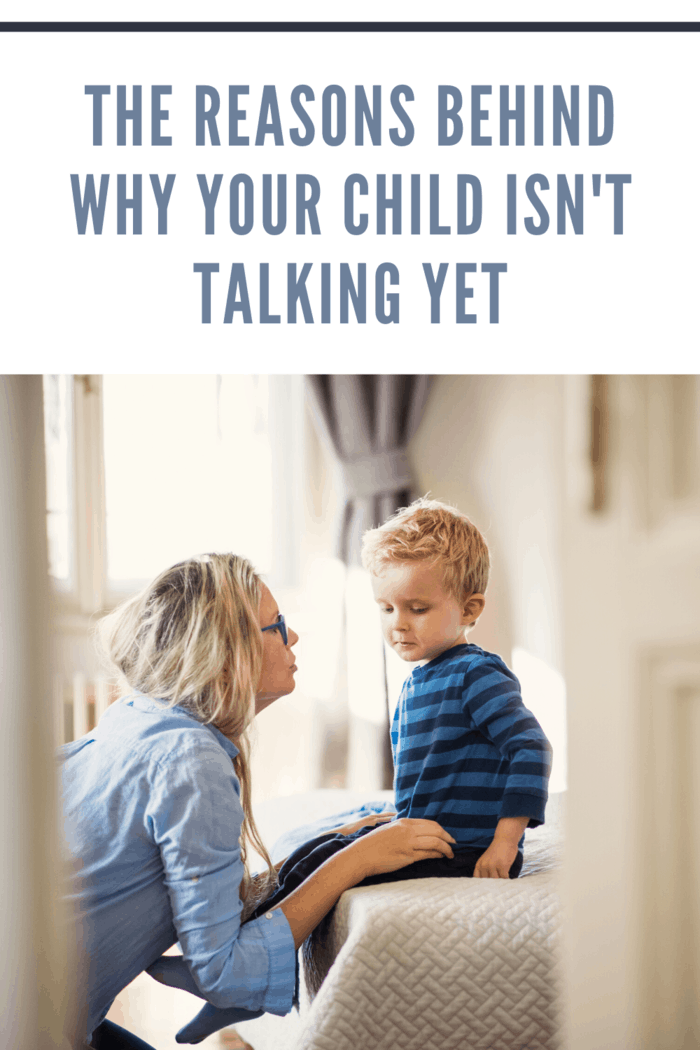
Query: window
{"type": "Point", "coordinates": [188, 469]}
{"type": "Point", "coordinates": [544, 693]}
{"type": "Point", "coordinates": [143, 471]}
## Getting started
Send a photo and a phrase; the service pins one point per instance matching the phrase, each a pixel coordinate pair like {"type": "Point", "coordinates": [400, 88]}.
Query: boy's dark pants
{"type": "Point", "coordinates": [310, 855]}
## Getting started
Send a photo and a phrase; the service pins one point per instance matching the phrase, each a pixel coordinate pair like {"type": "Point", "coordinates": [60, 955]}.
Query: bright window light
{"type": "Point", "coordinates": [187, 471]}
{"type": "Point", "coordinates": [366, 674]}
{"type": "Point", "coordinates": [544, 693]}
{"type": "Point", "coordinates": [321, 625]}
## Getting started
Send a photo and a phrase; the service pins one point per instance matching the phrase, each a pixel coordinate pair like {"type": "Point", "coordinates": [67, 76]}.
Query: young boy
{"type": "Point", "coordinates": [467, 752]}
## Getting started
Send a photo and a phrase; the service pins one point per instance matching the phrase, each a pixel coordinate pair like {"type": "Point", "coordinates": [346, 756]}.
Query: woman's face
{"type": "Point", "coordinates": [277, 675]}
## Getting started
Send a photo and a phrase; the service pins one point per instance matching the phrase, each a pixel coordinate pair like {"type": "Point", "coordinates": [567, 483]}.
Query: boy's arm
{"type": "Point", "coordinates": [493, 702]}
{"type": "Point", "coordinates": [496, 862]}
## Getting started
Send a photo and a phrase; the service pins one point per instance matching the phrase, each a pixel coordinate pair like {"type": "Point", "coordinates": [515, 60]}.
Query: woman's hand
{"type": "Point", "coordinates": [400, 843]}
{"type": "Point", "coordinates": [389, 847]}
{"type": "Point", "coordinates": [375, 818]}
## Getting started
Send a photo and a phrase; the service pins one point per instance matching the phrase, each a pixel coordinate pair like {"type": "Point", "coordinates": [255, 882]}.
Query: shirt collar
{"type": "Point", "coordinates": [146, 703]}
{"type": "Point", "coordinates": [446, 655]}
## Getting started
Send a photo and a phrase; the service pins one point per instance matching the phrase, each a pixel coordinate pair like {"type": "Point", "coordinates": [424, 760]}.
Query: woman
{"type": "Point", "coordinates": [157, 802]}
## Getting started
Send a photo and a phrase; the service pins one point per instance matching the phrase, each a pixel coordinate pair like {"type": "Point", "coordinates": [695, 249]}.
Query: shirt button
{"type": "Point", "coordinates": [268, 914]}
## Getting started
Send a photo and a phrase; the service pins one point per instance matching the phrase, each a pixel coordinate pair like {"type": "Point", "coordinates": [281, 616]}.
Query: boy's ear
{"type": "Point", "coordinates": [473, 608]}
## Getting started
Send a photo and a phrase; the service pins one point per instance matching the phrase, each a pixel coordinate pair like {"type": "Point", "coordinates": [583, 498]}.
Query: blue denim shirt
{"type": "Point", "coordinates": [152, 824]}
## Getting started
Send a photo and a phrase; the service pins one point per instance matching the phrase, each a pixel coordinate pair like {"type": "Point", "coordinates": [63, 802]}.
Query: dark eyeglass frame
{"type": "Point", "coordinates": [280, 625]}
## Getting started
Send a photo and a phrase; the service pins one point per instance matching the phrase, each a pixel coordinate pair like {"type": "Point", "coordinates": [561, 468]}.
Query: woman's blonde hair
{"type": "Point", "coordinates": [192, 638]}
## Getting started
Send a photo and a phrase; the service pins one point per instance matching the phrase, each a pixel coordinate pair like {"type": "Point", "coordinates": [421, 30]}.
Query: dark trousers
{"type": "Point", "coordinates": [109, 1036]}
{"type": "Point", "coordinates": [310, 855]}
{"type": "Point", "coordinates": [461, 866]}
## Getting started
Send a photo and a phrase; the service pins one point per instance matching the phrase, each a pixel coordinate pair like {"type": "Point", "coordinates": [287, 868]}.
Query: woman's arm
{"type": "Point", "coordinates": [194, 817]}
{"type": "Point", "coordinates": [387, 848]}
{"type": "Point", "coordinates": [363, 822]}
{"type": "Point", "coordinates": [260, 886]}
{"type": "Point", "coordinates": [192, 811]}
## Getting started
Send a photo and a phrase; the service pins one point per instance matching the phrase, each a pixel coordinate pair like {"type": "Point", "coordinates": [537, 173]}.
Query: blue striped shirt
{"type": "Point", "coordinates": [466, 750]}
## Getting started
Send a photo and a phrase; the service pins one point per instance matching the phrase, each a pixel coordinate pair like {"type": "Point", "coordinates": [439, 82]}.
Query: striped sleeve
{"type": "Point", "coordinates": [493, 702]}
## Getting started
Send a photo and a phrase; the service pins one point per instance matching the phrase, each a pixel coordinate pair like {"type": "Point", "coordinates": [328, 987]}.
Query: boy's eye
{"type": "Point", "coordinates": [421, 610]}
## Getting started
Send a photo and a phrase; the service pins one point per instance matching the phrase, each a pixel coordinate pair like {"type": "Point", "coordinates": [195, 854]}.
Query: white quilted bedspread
{"type": "Point", "coordinates": [438, 964]}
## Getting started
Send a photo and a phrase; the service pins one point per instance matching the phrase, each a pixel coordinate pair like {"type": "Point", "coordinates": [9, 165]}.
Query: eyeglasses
{"type": "Point", "coordinates": [280, 625]}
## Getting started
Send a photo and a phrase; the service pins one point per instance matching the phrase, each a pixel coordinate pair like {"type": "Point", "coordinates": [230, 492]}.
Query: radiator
{"type": "Point", "coordinates": [79, 703]}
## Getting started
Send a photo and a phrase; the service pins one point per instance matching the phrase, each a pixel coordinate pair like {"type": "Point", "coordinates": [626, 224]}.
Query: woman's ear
{"type": "Point", "coordinates": [472, 609]}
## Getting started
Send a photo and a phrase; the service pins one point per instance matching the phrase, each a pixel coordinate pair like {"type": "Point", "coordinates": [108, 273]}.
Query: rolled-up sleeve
{"type": "Point", "coordinates": [194, 815]}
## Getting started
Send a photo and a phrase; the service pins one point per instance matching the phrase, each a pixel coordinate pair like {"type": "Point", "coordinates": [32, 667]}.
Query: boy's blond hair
{"type": "Point", "coordinates": [429, 530]}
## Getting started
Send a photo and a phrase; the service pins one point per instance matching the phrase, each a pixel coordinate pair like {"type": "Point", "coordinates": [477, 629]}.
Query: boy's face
{"type": "Point", "coordinates": [420, 618]}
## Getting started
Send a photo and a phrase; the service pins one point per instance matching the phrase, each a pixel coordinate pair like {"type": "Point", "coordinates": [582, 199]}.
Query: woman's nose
{"type": "Point", "coordinates": [292, 637]}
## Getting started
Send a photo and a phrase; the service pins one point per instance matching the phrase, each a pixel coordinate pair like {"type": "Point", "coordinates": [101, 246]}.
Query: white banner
{"type": "Point", "coordinates": [361, 201]}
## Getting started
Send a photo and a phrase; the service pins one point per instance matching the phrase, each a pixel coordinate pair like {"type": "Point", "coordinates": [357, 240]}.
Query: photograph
{"type": "Point", "coordinates": [435, 590]}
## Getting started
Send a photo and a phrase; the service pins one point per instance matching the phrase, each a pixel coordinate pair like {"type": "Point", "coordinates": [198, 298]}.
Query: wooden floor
{"type": "Point", "coordinates": [155, 1012]}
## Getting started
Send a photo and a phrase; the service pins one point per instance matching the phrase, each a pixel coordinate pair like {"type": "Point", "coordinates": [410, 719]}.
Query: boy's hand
{"type": "Point", "coordinates": [496, 862]}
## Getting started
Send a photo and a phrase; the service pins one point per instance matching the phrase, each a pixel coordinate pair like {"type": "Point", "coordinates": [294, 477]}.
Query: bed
{"type": "Point", "coordinates": [431, 964]}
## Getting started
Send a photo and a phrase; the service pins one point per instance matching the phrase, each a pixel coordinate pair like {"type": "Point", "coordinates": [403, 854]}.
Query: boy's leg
{"type": "Point", "coordinates": [516, 866]}
{"type": "Point", "coordinates": [174, 971]}
{"type": "Point", "coordinates": [461, 866]}
{"type": "Point", "coordinates": [110, 1036]}
{"type": "Point", "coordinates": [212, 1019]}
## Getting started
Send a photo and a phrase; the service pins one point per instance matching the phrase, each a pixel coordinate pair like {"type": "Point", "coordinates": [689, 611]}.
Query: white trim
{"type": "Point", "coordinates": [671, 804]}
{"type": "Point", "coordinates": [80, 706]}
{"type": "Point", "coordinates": [672, 440]}
{"type": "Point", "coordinates": [90, 552]}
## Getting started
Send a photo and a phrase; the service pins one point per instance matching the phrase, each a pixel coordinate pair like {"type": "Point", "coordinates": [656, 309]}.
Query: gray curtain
{"type": "Point", "coordinates": [367, 421]}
